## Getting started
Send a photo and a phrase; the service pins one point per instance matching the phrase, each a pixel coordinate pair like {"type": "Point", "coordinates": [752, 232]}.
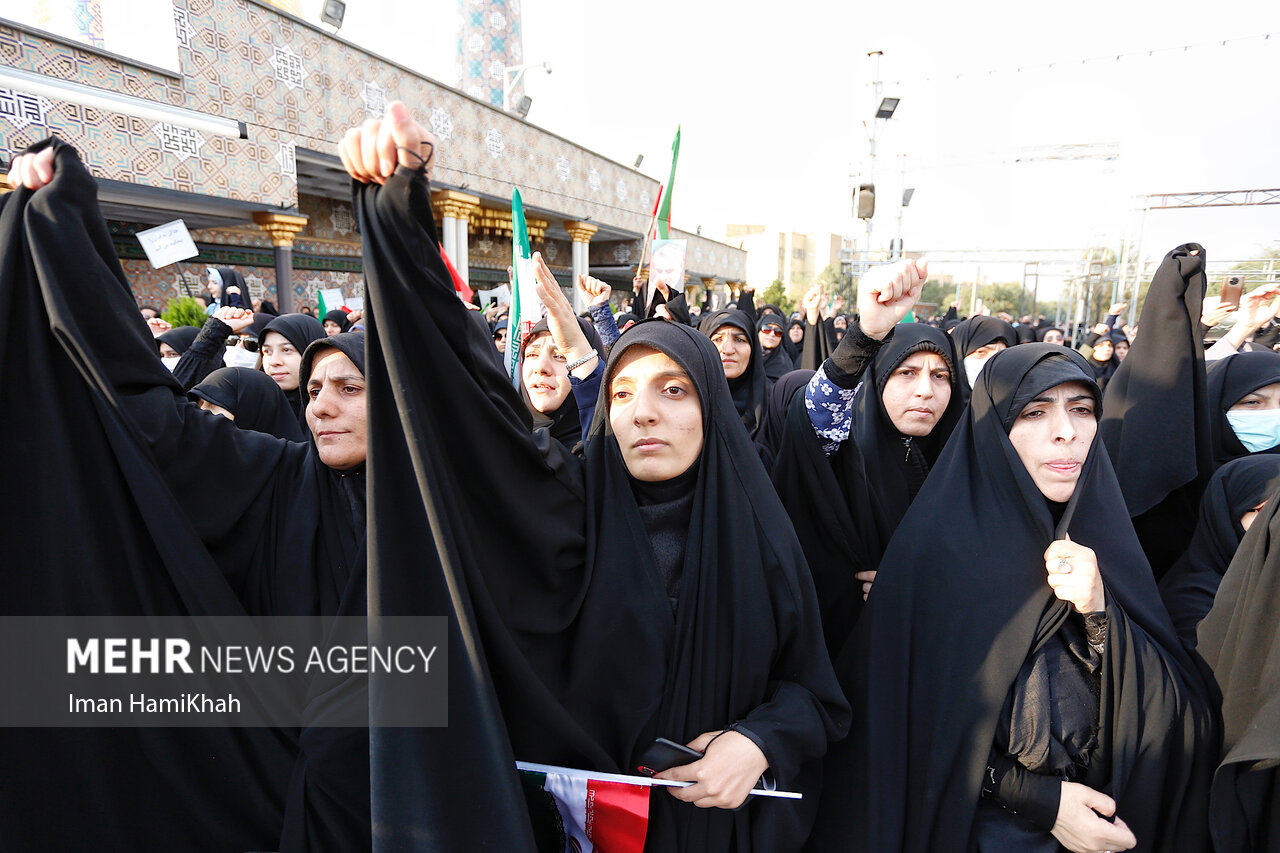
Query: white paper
{"type": "Point", "coordinates": [168, 243]}
{"type": "Point", "coordinates": [332, 297]}
{"type": "Point", "coordinates": [355, 303]}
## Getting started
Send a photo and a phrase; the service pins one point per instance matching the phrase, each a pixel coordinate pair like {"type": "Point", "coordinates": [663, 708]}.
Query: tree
{"type": "Point", "coordinates": [776, 294]}
{"type": "Point", "coordinates": [184, 311]}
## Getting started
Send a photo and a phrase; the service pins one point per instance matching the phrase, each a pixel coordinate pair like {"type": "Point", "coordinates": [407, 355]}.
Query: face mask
{"type": "Point", "coordinates": [972, 367]}
{"type": "Point", "coordinates": [171, 362]}
{"type": "Point", "coordinates": [1257, 431]}
{"type": "Point", "coordinates": [239, 357]}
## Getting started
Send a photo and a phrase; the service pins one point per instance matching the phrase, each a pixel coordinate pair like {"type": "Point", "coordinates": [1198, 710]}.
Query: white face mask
{"type": "Point", "coordinates": [239, 357]}
{"type": "Point", "coordinates": [1257, 431]}
{"type": "Point", "coordinates": [171, 361]}
{"type": "Point", "coordinates": [972, 367]}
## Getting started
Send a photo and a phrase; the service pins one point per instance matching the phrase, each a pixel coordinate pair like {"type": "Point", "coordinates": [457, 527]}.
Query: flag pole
{"type": "Point", "coordinates": [644, 250]}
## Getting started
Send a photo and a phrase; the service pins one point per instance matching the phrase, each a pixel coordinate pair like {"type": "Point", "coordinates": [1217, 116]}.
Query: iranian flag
{"type": "Point", "coordinates": [576, 811]}
{"type": "Point", "coordinates": [526, 307]}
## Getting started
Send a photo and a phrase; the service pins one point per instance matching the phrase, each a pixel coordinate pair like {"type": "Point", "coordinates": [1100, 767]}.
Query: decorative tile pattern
{"type": "Point", "coordinates": [294, 85]}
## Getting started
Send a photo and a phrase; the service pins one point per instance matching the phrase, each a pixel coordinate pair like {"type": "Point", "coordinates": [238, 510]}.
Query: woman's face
{"type": "Point", "coordinates": [216, 409]}
{"type": "Point", "coordinates": [1053, 434]}
{"type": "Point", "coordinates": [655, 414]}
{"type": "Point", "coordinates": [167, 351]}
{"type": "Point", "coordinates": [336, 411]}
{"type": "Point", "coordinates": [1103, 350]}
{"type": "Point", "coordinates": [985, 351]}
{"type": "Point", "coordinates": [331, 328]}
{"type": "Point", "coordinates": [281, 360]}
{"type": "Point", "coordinates": [916, 394]}
{"type": "Point", "coordinates": [841, 323]}
{"type": "Point", "coordinates": [770, 337]}
{"type": "Point", "coordinates": [796, 333]}
{"type": "Point", "coordinates": [544, 374]}
{"type": "Point", "coordinates": [1122, 349]}
{"type": "Point", "coordinates": [1266, 397]}
{"type": "Point", "coordinates": [1054, 336]}
{"type": "Point", "coordinates": [735, 350]}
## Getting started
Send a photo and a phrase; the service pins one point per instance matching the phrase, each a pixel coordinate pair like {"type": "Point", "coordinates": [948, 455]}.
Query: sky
{"type": "Point", "coordinates": [772, 99]}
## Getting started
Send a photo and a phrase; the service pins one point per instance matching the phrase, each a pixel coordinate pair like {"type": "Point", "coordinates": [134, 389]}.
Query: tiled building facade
{"type": "Point", "coordinates": [296, 89]}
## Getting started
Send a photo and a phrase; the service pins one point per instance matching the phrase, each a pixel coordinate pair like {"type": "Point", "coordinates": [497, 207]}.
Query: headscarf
{"type": "Point", "coordinates": [748, 390]}
{"type": "Point", "coordinates": [952, 618]}
{"type": "Point", "coordinates": [253, 398]}
{"type": "Point", "coordinates": [1229, 380]}
{"type": "Point", "coordinates": [228, 277]}
{"type": "Point", "coordinates": [1238, 639]}
{"type": "Point", "coordinates": [299, 330]}
{"type": "Point", "coordinates": [337, 315]}
{"type": "Point", "coordinates": [564, 423]}
{"type": "Point", "coordinates": [775, 418]}
{"type": "Point", "coordinates": [180, 338]}
{"type": "Point", "coordinates": [737, 576]}
{"type": "Point", "coordinates": [782, 358]}
{"type": "Point", "coordinates": [1237, 487]}
{"type": "Point", "coordinates": [1040, 335]}
{"type": "Point", "coordinates": [973, 334]}
{"type": "Point", "coordinates": [846, 507]}
{"type": "Point", "coordinates": [562, 624]}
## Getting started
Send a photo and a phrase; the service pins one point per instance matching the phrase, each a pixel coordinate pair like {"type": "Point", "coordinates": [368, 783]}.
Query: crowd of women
{"type": "Point", "coordinates": [961, 586]}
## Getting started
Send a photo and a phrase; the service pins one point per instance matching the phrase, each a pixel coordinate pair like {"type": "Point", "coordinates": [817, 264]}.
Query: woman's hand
{"type": "Point", "coordinates": [371, 151]}
{"type": "Point", "coordinates": [238, 319]}
{"type": "Point", "coordinates": [561, 321]}
{"type": "Point", "coordinates": [1074, 576]}
{"type": "Point", "coordinates": [867, 578]}
{"type": "Point", "coordinates": [32, 171]}
{"type": "Point", "coordinates": [730, 768]}
{"type": "Point", "coordinates": [597, 291]}
{"type": "Point", "coordinates": [886, 293]}
{"type": "Point", "coordinates": [1079, 828]}
{"type": "Point", "coordinates": [813, 300]}
{"type": "Point", "coordinates": [158, 327]}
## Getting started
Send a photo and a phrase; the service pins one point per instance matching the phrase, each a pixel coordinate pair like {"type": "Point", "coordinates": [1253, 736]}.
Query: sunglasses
{"type": "Point", "coordinates": [771, 331]}
{"type": "Point", "coordinates": [250, 344]}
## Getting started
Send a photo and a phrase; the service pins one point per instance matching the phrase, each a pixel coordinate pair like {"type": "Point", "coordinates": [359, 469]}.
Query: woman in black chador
{"type": "Point", "coordinates": [1017, 683]}
{"type": "Point", "coordinates": [650, 589]}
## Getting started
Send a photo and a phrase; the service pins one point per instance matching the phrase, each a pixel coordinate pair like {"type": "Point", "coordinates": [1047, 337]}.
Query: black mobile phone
{"type": "Point", "coordinates": [664, 754]}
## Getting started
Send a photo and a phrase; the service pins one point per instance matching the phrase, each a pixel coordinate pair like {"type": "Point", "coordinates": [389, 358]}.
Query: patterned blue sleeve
{"type": "Point", "coordinates": [830, 410]}
{"type": "Point", "coordinates": [602, 317]}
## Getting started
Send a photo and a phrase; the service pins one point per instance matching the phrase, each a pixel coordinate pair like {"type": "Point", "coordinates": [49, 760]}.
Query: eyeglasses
{"type": "Point", "coordinates": [771, 331]}
{"type": "Point", "coordinates": [247, 342]}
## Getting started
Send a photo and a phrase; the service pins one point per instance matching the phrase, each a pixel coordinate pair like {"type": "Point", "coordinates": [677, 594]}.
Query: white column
{"type": "Point", "coordinates": [461, 248]}
{"type": "Point", "coordinates": [581, 233]}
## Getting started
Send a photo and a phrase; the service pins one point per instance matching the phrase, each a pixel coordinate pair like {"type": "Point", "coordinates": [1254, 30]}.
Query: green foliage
{"type": "Point", "coordinates": [184, 311]}
{"type": "Point", "coordinates": [776, 294]}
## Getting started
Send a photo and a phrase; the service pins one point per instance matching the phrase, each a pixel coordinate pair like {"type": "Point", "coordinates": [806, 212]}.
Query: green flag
{"type": "Point", "coordinates": [525, 305]}
{"type": "Point", "coordinates": [664, 211]}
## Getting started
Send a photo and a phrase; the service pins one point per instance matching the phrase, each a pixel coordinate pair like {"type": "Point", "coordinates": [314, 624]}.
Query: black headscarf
{"type": "Point", "coordinates": [564, 423]}
{"type": "Point", "coordinates": [299, 330]}
{"type": "Point", "coordinates": [563, 618]}
{"type": "Point", "coordinates": [974, 333]}
{"type": "Point", "coordinates": [232, 278]}
{"type": "Point", "coordinates": [337, 315]}
{"type": "Point", "coordinates": [952, 618]}
{"type": "Point", "coordinates": [846, 507]}
{"type": "Point", "coordinates": [254, 398]}
{"type": "Point", "coordinates": [177, 512]}
{"type": "Point", "coordinates": [1238, 639]}
{"type": "Point", "coordinates": [1046, 330]}
{"type": "Point", "coordinates": [1104, 370]}
{"type": "Point", "coordinates": [748, 390]}
{"type": "Point", "coordinates": [1157, 420]}
{"type": "Point", "coordinates": [1229, 380]}
{"type": "Point", "coordinates": [179, 339]}
{"type": "Point", "coordinates": [1237, 487]}
{"type": "Point", "coordinates": [769, 438]}
{"type": "Point", "coordinates": [782, 358]}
